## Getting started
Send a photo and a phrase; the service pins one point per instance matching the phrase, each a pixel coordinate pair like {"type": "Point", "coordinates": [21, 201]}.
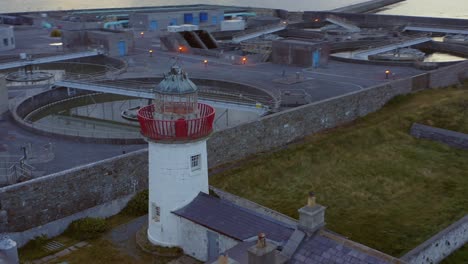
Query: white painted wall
{"type": "Point", "coordinates": [7, 38]}
{"type": "Point", "coordinates": [194, 240]}
{"type": "Point", "coordinates": [172, 185]}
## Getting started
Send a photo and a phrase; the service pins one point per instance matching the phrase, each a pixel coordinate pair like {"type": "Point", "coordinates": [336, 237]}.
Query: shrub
{"type": "Point", "coordinates": [56, 33]}
{"type": "Point", "coordinates": [87, 228]}
{"type": "Point", "coordinates": [138, 205]}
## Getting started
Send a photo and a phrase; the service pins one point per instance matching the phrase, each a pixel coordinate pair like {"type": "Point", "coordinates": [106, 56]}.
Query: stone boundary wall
{"type": "Point", "coordinates": [449, 137]}
{"type": "Point", "coordinates": [441, 245]}
{"type": "Point", "coordinates": [37, 202]}
{"type": "Point", "coordinates": [31, 205]}
{"type": "Point", "coordinates": [385, 21]}
{"type": "Point", "coordinates": [367, 6]}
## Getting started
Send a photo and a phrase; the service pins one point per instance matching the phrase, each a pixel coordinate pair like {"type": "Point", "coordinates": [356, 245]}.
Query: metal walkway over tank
{"type": "Point", "coordinates": [146, 93]}
{"type": "Point", "coordinates": [364, 55]}
{"type": "Point", "coordinates": [70, 56]}
{"type": "Point", "coordinates": [436, 30]}
{"type": "Point", "coordinates": [342, 23]}
{"type": "Point", "coordinates": [257, 32]}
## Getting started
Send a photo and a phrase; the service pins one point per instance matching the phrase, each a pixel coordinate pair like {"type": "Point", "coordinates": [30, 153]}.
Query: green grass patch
{"type": "Point", "coordinates": [34, 249]}
{"type": "Point", "coordinates": [382, 187]}
{"type": "Point", "coordinates": [87, 228]}
{"type": "Point", "coordinates": [138, 205]}
{"type": "Point", "coordinates": [458, 257]}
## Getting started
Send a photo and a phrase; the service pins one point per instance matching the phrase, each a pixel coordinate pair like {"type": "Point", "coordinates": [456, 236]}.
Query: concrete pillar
{"type": "Point", "coordinates": [8, 251]}
{"type": "Point", "coordinates": [311, 216]}
{"type": "Point", "coordinates": [3, 95]}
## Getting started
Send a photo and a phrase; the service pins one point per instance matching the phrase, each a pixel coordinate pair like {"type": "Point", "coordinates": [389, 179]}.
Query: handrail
{"type": "Point", "coordinates": [180, 129]}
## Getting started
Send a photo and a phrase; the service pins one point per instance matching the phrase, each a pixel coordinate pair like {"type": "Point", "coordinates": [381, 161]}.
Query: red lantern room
{"type": "Point", "coordinates": [176, 113]}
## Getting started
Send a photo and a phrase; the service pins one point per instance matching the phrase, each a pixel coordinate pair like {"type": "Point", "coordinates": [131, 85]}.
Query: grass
{"type": "Point", "coordinates": [381, 187]}
{"type": "Point", "coordinates": [459, 256]}
{"type": "Point", "coordinates": [34, 249]}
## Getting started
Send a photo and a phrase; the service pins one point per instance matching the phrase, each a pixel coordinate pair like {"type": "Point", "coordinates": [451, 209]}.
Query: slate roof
{"type": "Point", "coordinates": [232, 220]}
{"type": "Point", "coordinates": [320, 249]}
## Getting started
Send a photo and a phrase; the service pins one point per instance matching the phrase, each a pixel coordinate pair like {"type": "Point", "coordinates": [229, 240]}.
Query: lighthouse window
{"type": "Point", "coordinates": [195, 162]}
{"type": "Point", "coordinates": [156, 212]}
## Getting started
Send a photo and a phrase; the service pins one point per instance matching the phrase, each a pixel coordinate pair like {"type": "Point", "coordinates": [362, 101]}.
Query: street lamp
{"type": "Point", "coordinates": [142, 34]}
{"type": "Point", "coordinates": [387, 73]}
{"type": "Point", "coordinates": [151, 53]}
{"type": "Point", "coordinates": [206, 63]}
{"type": "Point", "coordinates": [244, 60]}
{"type": "Point", "coordinates": [180, 49]}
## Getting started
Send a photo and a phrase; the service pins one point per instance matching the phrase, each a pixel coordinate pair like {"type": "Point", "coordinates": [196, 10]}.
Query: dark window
{"type": "Point", "coordinates": [5, 42]}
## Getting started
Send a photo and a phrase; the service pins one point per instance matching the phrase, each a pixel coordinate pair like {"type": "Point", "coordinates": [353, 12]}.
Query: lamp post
{"type": "Point", "coordinates": [387, 73]}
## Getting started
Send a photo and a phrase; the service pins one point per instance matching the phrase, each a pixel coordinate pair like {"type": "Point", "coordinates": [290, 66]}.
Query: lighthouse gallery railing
{"type": "Point", "coordinates": [180, 129]}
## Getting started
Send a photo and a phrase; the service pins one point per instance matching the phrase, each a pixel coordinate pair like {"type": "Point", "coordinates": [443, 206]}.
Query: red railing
{"type": "Point", "coordinates": [181, 129]}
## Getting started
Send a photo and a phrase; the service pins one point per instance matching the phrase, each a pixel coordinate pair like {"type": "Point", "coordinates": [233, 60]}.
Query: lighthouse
{"type": "Point", "coordinates": [176, 127]}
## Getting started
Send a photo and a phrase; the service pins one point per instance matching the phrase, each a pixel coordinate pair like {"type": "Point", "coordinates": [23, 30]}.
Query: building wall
{"type": "Point", "coordinates": [173, 183]}
{"type": "Point", "coordinates": [109, 40]}
{"type": "Point", "coordinates": [441, 245]}
{"type": "Point", "coordinates": [143, 22]}
{"type": "Point", "coordinates": [3, 95]}
{"type": "Point", "coordinates": [7, 38]}
{"type": "Point", "coordinates": [193, 239]}
{"type": "Point", "coordinates": [298, 54]}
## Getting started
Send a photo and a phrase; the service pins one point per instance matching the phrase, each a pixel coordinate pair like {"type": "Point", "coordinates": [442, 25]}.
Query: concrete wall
{"type": "Point", "coordinates": [194, 240]}
{"type": "Point", "coordinates": [298, 53]}
{"type": "Point", "coordinates": [3, 95]}
{"type": "Point", "coordinates": [449, 137]}
{"type": "Point", "coordinates": [32, 205]}
{"type": "Point", "coordinates": [366, 6]}
{"type": "Point", "coordinates": [109, 40]}
{"type": "Point", "coordinates": [441, 245]}
{"type": "Point", "coordinates": [376, 21]}
{"type": "Point", "coordinates": [7, 38]}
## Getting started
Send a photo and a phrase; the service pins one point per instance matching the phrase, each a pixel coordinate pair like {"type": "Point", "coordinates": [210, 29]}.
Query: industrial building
{"type": "Point", "coordinates": [208, 18]}
{"type": "Point", "coordinates": [114, 42]}
{"type": "Point", "coordinates": [7, 37]}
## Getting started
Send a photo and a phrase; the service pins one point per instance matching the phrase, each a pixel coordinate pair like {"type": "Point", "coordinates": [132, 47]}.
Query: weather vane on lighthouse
{"type": "Point", "coordinates": [176, 127]}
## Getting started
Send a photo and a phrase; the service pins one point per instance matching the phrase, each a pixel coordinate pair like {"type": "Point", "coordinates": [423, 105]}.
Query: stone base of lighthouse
{"type": "Point", "coordinates": [178, 172]}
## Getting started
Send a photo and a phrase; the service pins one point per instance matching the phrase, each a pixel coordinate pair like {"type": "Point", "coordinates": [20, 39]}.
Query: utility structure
{"type": "Point", "coordinates": [176, 127]}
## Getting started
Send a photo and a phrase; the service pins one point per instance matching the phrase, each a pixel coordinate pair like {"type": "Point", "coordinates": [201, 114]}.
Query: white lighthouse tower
{"type": "Point", "coordinates": [176, 128]}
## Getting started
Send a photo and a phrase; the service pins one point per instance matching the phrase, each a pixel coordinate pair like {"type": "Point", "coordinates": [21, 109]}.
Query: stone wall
{"type": "Point", "coordinates": [279, 129]}
{"type": "Point", "coordinates": [449, 137]}
{"type": "Point", "coordinates": [40, 201]}
{"type": "Point", "coordinates": [61, 197]}
{"type": "Point", "coordinates": [441, 245]}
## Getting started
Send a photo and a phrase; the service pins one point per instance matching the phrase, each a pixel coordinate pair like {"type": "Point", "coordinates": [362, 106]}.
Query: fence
{"type": "Point", "coordinates": [179, 129]}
